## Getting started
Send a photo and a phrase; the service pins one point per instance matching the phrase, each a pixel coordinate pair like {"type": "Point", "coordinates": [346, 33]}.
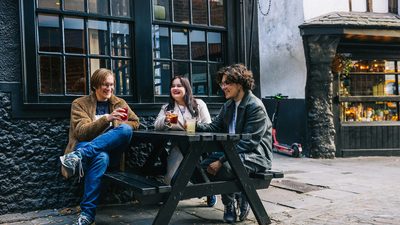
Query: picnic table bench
{"type": "Point", "coordinates": [150, 191]}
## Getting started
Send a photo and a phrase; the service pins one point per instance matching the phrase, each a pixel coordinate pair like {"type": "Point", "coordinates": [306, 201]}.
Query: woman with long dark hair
{"type": "Point", "coordinates": [183, 105]}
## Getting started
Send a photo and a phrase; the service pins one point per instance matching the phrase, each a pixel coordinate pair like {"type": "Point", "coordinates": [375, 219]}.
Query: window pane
{"type": "Point", "coordinates": [215, 47]}
{"type": "Point", "coordinates": [121, 69]}
{"type": "Point", "coordinates": [198, 45]}
{"type": "Point", "coordinates": [74, 35]}
{"type": "Point", "coordinates": [368, 111]}
{"type": "Point", "coordinates": [51, 79]}
{"type": "Point", "coordinates": [180, 44]}
{"type": "Point", "coordinates": [161, 42]}
{"type": "Point", "coordinates": [97, 64]}
{"type": "Point", "coordinates": [181, 11]}
{"type": "Point", "coordinates": [76, 75]}
{"type": "Point", "coordinates": [181, 68]}
{"type": "Point", "coordinates": [49, 33]}
{"type": "Point", "coordinates": [120, 39]}
{"type": "Point", "coordinates": [120, 8]}
{"type": "Point", "coordinates": [76, 5]}
{"type": "Point", "coordinates": [99, 6]}
{"type": "Point", "coordinates": [217, 13]}
{"type": "Point", "coordinates": [215, 89]}
{"type": "Point", "coordinates": [162, 78]}
{"type": "Point", "coordinates": [161, 10]}
{"type": "Point", "coordinates": [199, 10]}
{"type": "Point", "coordinates": [98, 37]}
{"type": "Point", "coordinates": [199, 79]}
{"type": "Point", "coordinates": [51, 4]}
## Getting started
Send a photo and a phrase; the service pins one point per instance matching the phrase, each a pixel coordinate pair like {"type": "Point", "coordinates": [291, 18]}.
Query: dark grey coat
{"type": "Point", "coordinates": [252, 118]}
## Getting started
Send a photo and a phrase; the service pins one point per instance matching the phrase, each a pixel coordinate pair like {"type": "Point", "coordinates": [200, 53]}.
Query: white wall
{"type": "Point", "coordinates": [282, 62]}
{"type": "Point", "coordinates": [358, 5]}
{"type": "Point", "coordinates": [315, 8]}
{"type": "Point", "coordinates": [380, 6]}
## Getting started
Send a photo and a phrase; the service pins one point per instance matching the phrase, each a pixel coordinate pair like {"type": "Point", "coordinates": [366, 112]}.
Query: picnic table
{"type": "Point", "coordinates": [193, 145]}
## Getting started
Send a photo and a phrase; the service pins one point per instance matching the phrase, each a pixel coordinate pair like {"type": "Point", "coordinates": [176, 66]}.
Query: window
{"type": "Point", "coordinates": [74, 38]}
{"type": "Point", "coordinates": [370, 91]}
{"type": "Point", "coordinates": [189, 39]}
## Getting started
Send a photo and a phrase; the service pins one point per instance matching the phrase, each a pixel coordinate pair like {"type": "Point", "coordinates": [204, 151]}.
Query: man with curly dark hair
{"type": "Point", "coordinates": [242, 113]}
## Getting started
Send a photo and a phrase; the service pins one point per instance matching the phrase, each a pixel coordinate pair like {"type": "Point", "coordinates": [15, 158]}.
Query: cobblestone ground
{"type": "Point", "coordinates": [341, 191]}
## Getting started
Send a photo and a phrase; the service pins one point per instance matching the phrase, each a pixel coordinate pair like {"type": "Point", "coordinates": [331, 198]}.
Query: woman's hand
{"type": "Point", "coordinates": [214, 167]}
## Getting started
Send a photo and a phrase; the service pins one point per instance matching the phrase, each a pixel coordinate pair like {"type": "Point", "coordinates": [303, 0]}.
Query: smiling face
{"type": "Point", "coordinates": [178, 91]}
{"type": "Point", "coordinates": [232, 90]}
{"type": "Point", "coordinates": [106, 89]}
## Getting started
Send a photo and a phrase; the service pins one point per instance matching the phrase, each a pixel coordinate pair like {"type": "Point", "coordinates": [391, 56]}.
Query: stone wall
{"type": "Point", "coordinates": [30, 175]}
{"type": "Point", "coordinates": [319, 95]}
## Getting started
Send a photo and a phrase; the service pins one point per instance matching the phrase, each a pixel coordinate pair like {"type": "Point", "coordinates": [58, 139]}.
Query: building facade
{"type": "Point", "coordinates": [50, 47]}
{"type": "Point", "coordinates": [340, 57]}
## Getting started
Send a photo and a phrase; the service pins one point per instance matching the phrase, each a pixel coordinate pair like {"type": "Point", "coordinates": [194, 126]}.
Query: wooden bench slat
{"type": "Point", "coordinates": [139, 184]}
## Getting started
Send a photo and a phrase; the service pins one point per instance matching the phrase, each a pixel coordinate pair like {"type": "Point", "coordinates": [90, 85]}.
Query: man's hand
{"type": "Point", "coordinates": [214, 167]}
{"type": "Point", "coordinates": [117, 114]}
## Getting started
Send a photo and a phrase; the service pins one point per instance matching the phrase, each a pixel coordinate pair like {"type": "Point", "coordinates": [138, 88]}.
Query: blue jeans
{"type": "Point", "coordinates": [95, 160]}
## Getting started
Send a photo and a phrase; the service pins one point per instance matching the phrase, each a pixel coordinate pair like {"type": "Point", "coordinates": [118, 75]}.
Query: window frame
{"type": "Point", "coordinates": [30, 51]}
{"type": "Point", "coordinates": [142, 95]}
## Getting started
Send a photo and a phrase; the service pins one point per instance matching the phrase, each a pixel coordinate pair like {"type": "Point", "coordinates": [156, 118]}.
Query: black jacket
{"type": "Point", "coordinates": [252, 118]}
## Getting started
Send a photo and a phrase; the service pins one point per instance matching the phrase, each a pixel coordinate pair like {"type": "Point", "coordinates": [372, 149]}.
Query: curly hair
{"type": "Point", "coordinates": [237, 74]}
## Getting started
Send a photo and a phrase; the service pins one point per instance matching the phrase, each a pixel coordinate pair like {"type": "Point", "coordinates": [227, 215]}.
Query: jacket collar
{"type": "Point", "coordinates": [113, 100]}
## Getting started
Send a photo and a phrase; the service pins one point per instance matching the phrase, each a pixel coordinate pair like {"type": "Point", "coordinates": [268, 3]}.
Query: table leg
{"type": "Point", "coordinates": [177, 190]}
{"type": "Point", "coordinates": [247, 187]}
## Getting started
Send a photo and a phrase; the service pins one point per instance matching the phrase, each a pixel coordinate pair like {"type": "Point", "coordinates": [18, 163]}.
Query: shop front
{"type": "Point", "coordinates": [352, 91]}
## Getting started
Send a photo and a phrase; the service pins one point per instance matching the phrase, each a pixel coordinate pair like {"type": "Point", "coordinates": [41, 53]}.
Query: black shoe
{"type": "Point", "coordinates": [230, 213]}
{"type": "Point", "coordinates": [243, 206]}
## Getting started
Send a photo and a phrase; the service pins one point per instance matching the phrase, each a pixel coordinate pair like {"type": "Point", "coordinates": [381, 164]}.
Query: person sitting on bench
{"type": "Point", "coordinates": [181, 107]}
{"type": "Point", "coordinates": [242, 113]}
{"type": "Point", "coordinates": [101, 126]}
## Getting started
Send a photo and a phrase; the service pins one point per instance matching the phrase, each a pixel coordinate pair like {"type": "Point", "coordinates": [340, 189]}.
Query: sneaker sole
{"type": "Point", "coordinates": [65, 171]}
{"type": "Point", "coordinates": [243, 217]}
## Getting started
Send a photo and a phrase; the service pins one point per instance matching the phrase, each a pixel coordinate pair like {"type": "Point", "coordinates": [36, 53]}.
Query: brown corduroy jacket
{"type": "Point", "coordinates": [84, 127]}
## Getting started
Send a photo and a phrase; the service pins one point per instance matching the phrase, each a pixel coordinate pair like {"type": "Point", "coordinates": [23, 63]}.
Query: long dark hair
{"type": "Point", "coordinates": [189, 100]}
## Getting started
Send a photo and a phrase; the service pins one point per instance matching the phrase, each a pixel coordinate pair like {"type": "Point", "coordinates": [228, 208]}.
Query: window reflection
{"type": "Point", "coordinates": [74, 35]}
{"type": "Point", "coordinates": [98, 6]}
{"type": "Point", "coordinates": [120, 39]}
{"type": "Point", "coordinates": [215, 88]}
{"type": "Point", "coordinates": [180, 44]}
{"type": "Point", "coordinates": [98, 37]}
{"type": "Point", "coordinates": [162, 78]}
{"type": "Point", "coordinates": [50, 4]}
{"type": "Point", "coordinates": [215, 47]}
{"type": "Point", "coordinates": [121, 69]}
{"type": "Point", "coordinates": [49, 33]}
{"type": "Point", "coordinates": [199, 11]}
{"type": "Point", "coordinates": [76, 5]}
{"type": "Point", "coordinates": [51, 78]}
{"type": "Point", "coordinates": [198, 45]}
{"type": "Point", "coordinates": [217, 13]}
{"type": "Point", "coordinates": [181, 68]}
{"type": "Point", "coordinates": [199, 79]}
{"type": "Point", "coordinates": [75, 75]}
{"type": "Point", "coordinates": [120, 8]}
{"type": "Point", "coordinates": [181, 11]}
{"type": "Point", "coordinates": [97, 64]}
{"type": "Point", "coordinates": [161, 42]}
{"type": "Point", "coordinates": [161, 9]}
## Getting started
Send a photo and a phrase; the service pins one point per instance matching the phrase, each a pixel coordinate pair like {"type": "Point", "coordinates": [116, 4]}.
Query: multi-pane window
{"type": "Point", "coordinates": [369, 91]}
{"type": "Point", "coordinates": [76, 37]}
{"type": "Point", "coordinates": [189, 39]}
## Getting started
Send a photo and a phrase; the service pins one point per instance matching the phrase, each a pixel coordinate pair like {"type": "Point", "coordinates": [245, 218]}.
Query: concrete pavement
{"type": "Point", "coordinates": [360, 190]}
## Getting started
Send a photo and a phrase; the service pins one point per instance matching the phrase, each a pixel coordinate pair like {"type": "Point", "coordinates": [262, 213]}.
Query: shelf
{"type": "Point", "coordinates": [369, 98]}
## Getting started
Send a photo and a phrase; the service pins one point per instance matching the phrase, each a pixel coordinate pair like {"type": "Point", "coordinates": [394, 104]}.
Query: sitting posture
{"type": "Point", "coordinates": [242, 113]}
{"type": "Point", "coordinates": [182, 106]}
{"type": "Point", "coordinates": [101, 126]}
